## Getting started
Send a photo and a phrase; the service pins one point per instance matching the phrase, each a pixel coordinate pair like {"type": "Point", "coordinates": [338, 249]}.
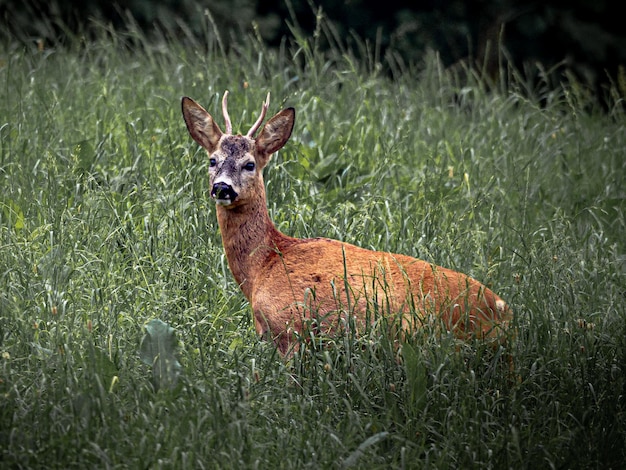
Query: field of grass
{"type": "Point", "coordinates": [106, 225]}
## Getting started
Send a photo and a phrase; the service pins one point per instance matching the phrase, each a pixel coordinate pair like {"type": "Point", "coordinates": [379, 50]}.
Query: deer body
{"type": "Point", "coordinates": [290, 281]}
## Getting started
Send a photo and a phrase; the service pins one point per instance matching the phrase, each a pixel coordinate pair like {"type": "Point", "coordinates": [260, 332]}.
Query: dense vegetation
{"type": "Point", "coordinates": [106, 226]}
{"type": "Point", "coordinates": [584, 37]}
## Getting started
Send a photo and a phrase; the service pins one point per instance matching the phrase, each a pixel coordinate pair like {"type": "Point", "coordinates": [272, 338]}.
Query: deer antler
{"type": "Point", "coordinates": [229, 126]}
{"type": "Point", "coordinates": [259, 121]}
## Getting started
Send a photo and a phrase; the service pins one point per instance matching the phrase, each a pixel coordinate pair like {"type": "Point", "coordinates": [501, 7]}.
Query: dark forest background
{"type": "Point", "coordinates": [586, 38]}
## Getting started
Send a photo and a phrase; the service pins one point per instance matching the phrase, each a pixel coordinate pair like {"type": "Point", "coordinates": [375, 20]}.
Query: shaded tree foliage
{"type": "Point", "coordinates": [583, 36]}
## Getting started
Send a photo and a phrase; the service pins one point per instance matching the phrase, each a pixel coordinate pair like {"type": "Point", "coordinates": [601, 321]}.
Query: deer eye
{"type": "Point", "coordinates": [249, 166]}
{"type": "Point", "coordinates": [212, 162]}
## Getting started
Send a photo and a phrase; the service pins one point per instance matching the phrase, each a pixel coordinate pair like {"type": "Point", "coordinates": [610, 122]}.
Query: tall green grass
{"type": "Point", "coordinates": [106, 224]}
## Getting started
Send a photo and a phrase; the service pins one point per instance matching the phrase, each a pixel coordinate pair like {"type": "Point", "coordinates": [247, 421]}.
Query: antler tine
{"type": "Point", "coordinates": [259, 121]}
{"type": "Point", "coordinates": [229, 126]}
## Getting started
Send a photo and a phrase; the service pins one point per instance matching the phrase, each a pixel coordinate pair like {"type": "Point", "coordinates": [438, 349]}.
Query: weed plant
{"type": "Point", "coordinates": [107, 225]}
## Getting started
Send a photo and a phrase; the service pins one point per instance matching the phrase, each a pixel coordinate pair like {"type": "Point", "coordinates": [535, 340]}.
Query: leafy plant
{"type": "Point", "coordinates": [158, 350]}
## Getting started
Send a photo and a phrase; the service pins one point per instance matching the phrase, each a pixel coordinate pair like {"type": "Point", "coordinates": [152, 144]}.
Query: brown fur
{"type": "Point", "coordinates": [290, 281]}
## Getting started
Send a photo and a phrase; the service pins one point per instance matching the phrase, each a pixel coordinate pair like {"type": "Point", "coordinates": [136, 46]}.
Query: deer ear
{"type": "Point", "coordinates": [201, 125]}
{"type": "Point", "coordinates": [276, 132]}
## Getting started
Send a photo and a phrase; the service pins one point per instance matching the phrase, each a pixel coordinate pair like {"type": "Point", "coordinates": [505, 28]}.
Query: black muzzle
{"type": "Point", "coordinates": [223, 191]}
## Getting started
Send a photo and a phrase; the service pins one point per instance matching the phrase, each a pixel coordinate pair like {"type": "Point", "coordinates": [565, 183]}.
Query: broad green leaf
{"type": "Point", "coordinates": [158, 350]}
{"type": "Point", "coordinates": [415, 377]}
{"type": "Point", "coordinates": [354, 457]}
{"type": "Point", "coordinates": [105, 367]}
{"type": "Point", "coordinates": [13, 214]}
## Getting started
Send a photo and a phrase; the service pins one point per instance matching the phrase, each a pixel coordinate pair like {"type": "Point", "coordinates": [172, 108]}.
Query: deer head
{"type": "Point", "coordinates": [236, 161]}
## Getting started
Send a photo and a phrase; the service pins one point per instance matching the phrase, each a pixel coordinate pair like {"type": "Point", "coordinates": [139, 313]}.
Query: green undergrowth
{"type": "Point", "coordinates": [106, 227]}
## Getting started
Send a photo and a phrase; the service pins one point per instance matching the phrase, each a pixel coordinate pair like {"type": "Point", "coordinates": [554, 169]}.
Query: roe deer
{"type": "Point", "coordinates": [290, 281]}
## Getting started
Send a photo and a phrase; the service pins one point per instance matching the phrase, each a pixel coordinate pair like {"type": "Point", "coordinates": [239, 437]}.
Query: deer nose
{"type": "Point", "coordinates": [223, 191]}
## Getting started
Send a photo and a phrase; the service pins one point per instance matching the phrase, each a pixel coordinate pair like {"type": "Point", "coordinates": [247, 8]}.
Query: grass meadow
{"type": "Point", "coordinates": [106, 225]}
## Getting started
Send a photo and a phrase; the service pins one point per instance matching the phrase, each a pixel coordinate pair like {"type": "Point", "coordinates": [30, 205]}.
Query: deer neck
{"type": "Point", "coordinates": [249, 238]}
